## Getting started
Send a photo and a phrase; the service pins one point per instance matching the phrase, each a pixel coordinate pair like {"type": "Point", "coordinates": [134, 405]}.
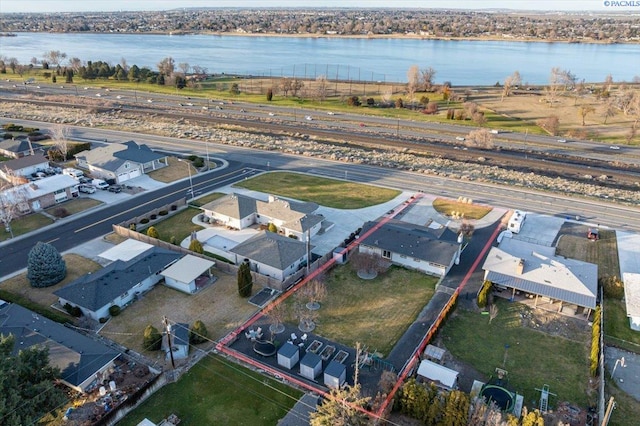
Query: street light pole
{"type": "Point", "coordinates": [190, 179]}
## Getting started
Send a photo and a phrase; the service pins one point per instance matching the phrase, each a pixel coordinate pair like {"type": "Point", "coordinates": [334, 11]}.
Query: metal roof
{"type": "Point", "coordinates": [188, 268]}
{"type": "Point", "coordinates": [559, 278]}
{"type": "Point", "coordinates": [632, 293]}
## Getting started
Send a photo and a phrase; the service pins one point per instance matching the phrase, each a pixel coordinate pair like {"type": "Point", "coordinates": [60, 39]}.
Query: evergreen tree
{"type": "Point", "coordinates": [153, 232]}
{"type": "Point", "coordinates": [196, 246]}
{"type": "Point", "coordinates": [198, 333]}
{"type": "Point", "coordinates": [344, 407]}
{"type": "Point", "coordinates": [27, 388]}
{"type": "Point", "coordinates": [245, 280]}
{"type": "Point", "coordinates": [152, 339]}
{"type": "Point", "coordinates": [45, 266]}
{"type": "Point", "coordinates": [456, 409]}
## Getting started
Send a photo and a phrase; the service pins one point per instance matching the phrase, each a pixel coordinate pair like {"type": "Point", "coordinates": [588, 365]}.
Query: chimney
{"type": "Point", "coordinates": [520, 266]}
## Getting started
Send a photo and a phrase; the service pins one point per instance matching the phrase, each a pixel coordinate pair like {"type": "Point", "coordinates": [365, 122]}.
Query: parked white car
{"type": "Point", "coordinates": [87, 189]}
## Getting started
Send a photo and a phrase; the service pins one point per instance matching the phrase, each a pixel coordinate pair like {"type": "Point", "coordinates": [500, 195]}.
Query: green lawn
{"type": "Point", "coordinates": [603, 252]}
{"type": "Point", "coordinates": [179, 225]}
{"type": "Point", "coordinates": [616, 324]}
{"type": "Point", "coordinates": [533, 359]}
{"type": "Point", "coordinates": [470, 211]}
{"type": "Point", "coordinates": [627, 411]}
{"type": "Point", "coordinates": [373, 312]}
{"type": "Point", "coordinates": [216, 391]}
{"type": "Point", "coordinates": [25, 224]}
{"type": "Point", "coordinates": [326, 192]}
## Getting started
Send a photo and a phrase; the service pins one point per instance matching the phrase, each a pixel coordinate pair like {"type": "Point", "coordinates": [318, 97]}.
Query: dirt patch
{"type": "Point", "coordinates": [218, 306]}
{"type": "Point", "coordinates": [555, 324]}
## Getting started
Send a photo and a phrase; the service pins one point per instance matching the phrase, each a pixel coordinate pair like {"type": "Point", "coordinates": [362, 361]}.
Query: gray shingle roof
{"type": "Point", "coordinates": [93, 291]}
{"type": "Point", "coordinates": [18, 145]}
{"type": "Point", "coordinates": [271, 249]}
{"type": "Point", "coordinates": [437, 246]}
{"type": "Point", "coordinates": [233, 205]}
{"type": "Point", "coordinates": [112, 156]}
{"type": "Point", "coordinates": [569, 280]}
{"type": "Point", "coordinates": [78, 356]}
{"type": "Point", "coordinates": [26, 161]}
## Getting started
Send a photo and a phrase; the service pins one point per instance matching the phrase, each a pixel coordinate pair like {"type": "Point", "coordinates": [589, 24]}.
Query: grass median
{"type": "Point", "coordinates": [326, 192]}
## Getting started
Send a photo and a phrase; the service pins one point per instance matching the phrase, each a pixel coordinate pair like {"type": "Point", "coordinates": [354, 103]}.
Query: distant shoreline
{"type": "Point", "coordinates": [370, 36]}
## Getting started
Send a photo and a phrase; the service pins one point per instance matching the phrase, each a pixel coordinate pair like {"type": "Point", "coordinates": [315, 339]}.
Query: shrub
{"type": "Point", "coordinates": [192, 158]}
{"type": "Point", "coordinates": [163, 212]}
{"type": "Point", "coordinates": [144, 220]}
{"type": "Point", "coordinates": [198, 333]}
{"type": "Point", "coordinates": [272, 227]}
{"type": "Point", "coordinates": [102, 320]}
{"type": "Point", "coordinates": [152, 340]}
{"type": "Point", "coordinates": [196, 246]}
{"type": "Point", "coordinates": [612, 287]}
{"type": "Point", "coordinates": [198, 162]}
{"type": "Point", "coordinates": [484, 294]}
{"type": "Point", "coordinates": [45, 266]}
{"type": "Point", "coordinates": [172, 240]}
{"type": "Point", "coordinates": [73, 310]}
{"type": "Point", "coordinates": [153, 232]}
{"type": "Point", "coordinates": [132, 226]}
{"type": "Point", "coordinates": [61, 212]}
{"type": "Point", "coordinates": [114, 310]}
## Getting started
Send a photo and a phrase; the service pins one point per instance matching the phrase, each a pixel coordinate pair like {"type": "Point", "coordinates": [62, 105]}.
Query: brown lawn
{"type": "Point", "coordinates": [467, 210]}
{"type": "Point", "coordinates": [76, 267]}
{"type": "Point", "coordinates": [603, 252]}
{"type": "Point", "coordinates": [218, 306]}
{"type": "Point", "coordinates": [174, 171]}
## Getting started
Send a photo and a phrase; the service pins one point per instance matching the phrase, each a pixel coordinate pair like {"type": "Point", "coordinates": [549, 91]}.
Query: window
{"type": "Point", "coordinates": [386, 254]}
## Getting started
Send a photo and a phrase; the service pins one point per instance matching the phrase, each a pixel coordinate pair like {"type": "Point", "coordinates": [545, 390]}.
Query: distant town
{"type": "Point", "coordinates": [426, 23]}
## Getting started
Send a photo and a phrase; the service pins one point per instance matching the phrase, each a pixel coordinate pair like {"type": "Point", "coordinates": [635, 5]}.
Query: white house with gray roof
{"type": "Point", "coordinates": [271, 254]}
{"type": "Point", "coordinates": [431, 249]}
{"type": "Point", "coordinates": [537, 270]}
{"type": "Point", "coordinates": [119, 283]}
{"type": "Point", "coordinates": [82, 361]}
{"type": "Point", "coordinates": [120, 161]}
{"type": "Point", "coordinates": [293, 219]}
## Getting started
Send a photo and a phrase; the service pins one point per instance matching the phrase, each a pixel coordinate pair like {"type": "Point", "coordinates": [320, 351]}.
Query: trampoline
{"type": "Point", "coordinates": [264, 348]}
{"type": "Point", "coordinates": [502, 397]}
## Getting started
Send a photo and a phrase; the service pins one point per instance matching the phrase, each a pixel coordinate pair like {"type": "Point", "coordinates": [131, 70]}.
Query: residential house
{"type": "Point", "coordinates": [432, 249]}
{"type": "Point", "coordinates": [43, 193]}
{"type": "Point", "coordinates": [188, 274]}
{"type": "Point", "coordinates": [82, 361]}
{"type": "Point", "coordinates": [23, 166]}
{"type": "Point", "coordinates": [272, 255]}
{"type": "Point", "coordinates": [19, 147]}
{"type": "Point", "coordinates": [293, 219]}
{"type": "Point", "coordinates": [117, 284]}
{"type": "Point", "coordinates": [537, 271]}
{"type": "Point", "coordinates": [120, 162]}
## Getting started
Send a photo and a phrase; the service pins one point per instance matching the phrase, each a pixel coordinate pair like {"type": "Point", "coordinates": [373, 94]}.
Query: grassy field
{"type": "Point", "coordinates": [373, 312]}
{"type": "Point", "coordinates": [533, 358]}
{"type": "Point", "coordinates": [467, 210]}
{"type": "Point", "coordinates": [25, 224]}
{"type": "Point", "coordinates": [74, 206]}
{"type": "Point", "coordinates": [174, 171]}
{"type": "Point", "coordinates": [216, 391]}
{"type": "Point", "coordinates": [326, 192]}
{"type": "Point", "coordinates": [44, 297]}
{"type": "Point", "coordinates": [603, 252]}
{"type": "Point", "coordinates": [616, 324]}
{"type": "Point", "coordinates": [201, 201]}
{"type": "Point", "coordinates": [179, 225]}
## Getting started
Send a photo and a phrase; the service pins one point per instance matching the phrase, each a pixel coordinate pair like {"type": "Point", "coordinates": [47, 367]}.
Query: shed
{"type": "Point", "coordinates": [310, 366]}
{"type": "Point", "coordinates": [335, 374]}
{"type": "Point", "coordinates": [288, 355]}
{"type": "Point", "coordinates": [439, 374]}
{"type": "Point", "coordinates": [188, 274]}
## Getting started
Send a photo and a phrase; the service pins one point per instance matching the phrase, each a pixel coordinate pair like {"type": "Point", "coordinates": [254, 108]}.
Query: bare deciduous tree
{"type": "Point", "coordinates": [551, 124]}
{"type": "Point", "coordinates": [427, 76]}
{"type": "Point", "coordinates": [13, 201]}
{"type": "Point", "coordinates": [184, 68]}
{"type": "Point", "coordinates": [369, 263]}
{"type": "Point", "coordinates": [322, 86]}
{"type": "Point", "coordinates": [54, 57]}
{"type": "Point", "coordinates": [315, 292]}
{"type": "Point", "coordinates": [480, 138]}
{"type": "Point", "coordinates": [60, 135]}
{"type": "Point", "coordinates": [167, 66]}
{"type": "Point", "coordinates": [413, 80]}
{"type": "Point", "coordinates": [277, 315]}
{"type": "Point", "coordinates": [509, 83]}
{"type": "Point", "coordinates": [585, 110]}
{"type": "Point", "coordinates": [493, 312]}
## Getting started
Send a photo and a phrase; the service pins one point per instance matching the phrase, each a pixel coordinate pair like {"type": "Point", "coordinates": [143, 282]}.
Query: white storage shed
{"type": "Point", "coordinates": [288, 355]}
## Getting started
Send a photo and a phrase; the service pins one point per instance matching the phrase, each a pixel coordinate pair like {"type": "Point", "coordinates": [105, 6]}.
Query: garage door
{"type": "Point", "coordinates": [122, 177]}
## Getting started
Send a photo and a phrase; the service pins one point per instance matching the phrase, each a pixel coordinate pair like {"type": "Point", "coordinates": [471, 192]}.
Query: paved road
{"type": "Point", "coordinates": [66, 234]}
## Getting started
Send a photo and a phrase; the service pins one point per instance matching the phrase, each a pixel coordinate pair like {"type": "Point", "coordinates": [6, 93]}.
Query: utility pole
{"type": "Point", "coordinates": [607, 415]}
{"type": "Point", "coordinates": [167, 327]}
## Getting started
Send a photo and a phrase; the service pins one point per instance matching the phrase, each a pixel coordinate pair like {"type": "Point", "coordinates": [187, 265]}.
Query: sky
{"type": "Point", "coordinates": [9, 6]}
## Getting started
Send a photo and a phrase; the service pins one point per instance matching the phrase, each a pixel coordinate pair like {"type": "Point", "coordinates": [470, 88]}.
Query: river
{"type": "Point", "coordinates": [462, 62]}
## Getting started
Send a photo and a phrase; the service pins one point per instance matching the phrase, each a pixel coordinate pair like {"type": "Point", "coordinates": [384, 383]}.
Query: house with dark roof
{"type": "Point", "coordinates": [271, 254]}
{"type": "Point", "coordinates": [81, 360]}
{"type": "Point", "coordinates": [120, 161]}
{"type": "Point", "coordinates": [117, 284]}
{"type": "Point", "coordinates": [19, 147]}
{"type": "Point", "coordinates": [432, 249]}
{"type": "Point", "coordinates": [23, 166]}
{"type": "Point", "coordinates": [536, 270]}
{"type": "Point", "coordinates": [293, 219]}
